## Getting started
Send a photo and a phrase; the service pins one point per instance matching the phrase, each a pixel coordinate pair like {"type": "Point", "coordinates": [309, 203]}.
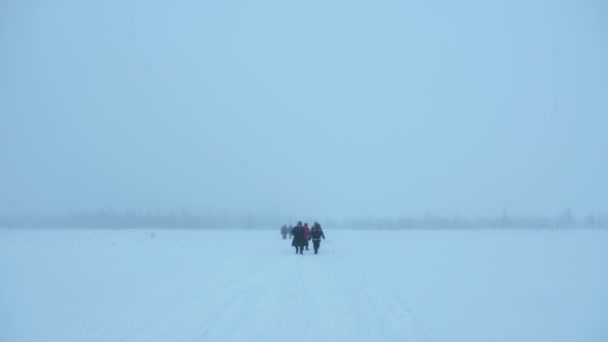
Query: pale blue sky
{"type": "Point", "coordinates": [304, 108]}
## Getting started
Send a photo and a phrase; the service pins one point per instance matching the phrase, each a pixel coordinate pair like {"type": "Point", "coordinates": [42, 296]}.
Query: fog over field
{"type": "Point", "coordinates": [324, 109]}
{"type": "Point", "coordinates": [454, 153]}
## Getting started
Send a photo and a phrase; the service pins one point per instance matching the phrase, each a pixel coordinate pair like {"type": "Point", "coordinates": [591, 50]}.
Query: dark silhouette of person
{"type": "Point", "coordinates": [284, 232]}
{"type": "Point", "coordinates": [316, 233]}
{"type": "Point", "coordinates": [299, 238]}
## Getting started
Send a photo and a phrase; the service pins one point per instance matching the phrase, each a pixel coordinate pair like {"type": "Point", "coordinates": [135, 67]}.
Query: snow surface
{"type": "Point", "coordinates": [188, 285]}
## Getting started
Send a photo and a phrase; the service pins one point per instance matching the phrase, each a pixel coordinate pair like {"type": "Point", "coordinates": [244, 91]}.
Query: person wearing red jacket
{"type": "Point", "coordinates": [307, 234]}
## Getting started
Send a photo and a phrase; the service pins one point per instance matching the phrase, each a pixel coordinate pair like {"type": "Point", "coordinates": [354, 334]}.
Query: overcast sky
{"type": "Point", "coordinates": [316, 108]}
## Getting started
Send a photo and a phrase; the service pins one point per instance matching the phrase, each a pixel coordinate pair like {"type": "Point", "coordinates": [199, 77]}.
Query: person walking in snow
{"type": "Point", "coordinates": [306, 234]}
{"type": "Point", "coordinates": [316, 234]}
{"type": "Point", "coordinates": [284, 232]}
{"type": "Point", "coordinates": [299, 237]}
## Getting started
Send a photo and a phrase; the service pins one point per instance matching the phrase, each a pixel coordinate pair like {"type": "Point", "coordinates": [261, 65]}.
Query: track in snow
{"type": "Point", "coordinates": [263, 291]}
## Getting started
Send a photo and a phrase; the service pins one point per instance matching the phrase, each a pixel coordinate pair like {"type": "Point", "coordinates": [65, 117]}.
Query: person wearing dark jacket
{"type": "Point", "coordinates": [299, 237]}
{"type": "Point", "coordinates": [316, 233]}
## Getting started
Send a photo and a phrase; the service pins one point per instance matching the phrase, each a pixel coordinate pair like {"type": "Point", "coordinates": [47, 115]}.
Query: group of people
{"type": "Point", "coordinates": [302, 235]}
{"type": "Point", "coordinates": [286, 230]}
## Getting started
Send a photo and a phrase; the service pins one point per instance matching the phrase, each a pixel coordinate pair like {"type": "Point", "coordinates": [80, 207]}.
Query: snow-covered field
{"type": "Point", "coordinates": [188, 285]}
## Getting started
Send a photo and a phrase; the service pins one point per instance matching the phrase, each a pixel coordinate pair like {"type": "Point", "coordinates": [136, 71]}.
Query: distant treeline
{"type": "Point", "coordinates": [126, 220]}
{"type": "Point", "coordinates": [498, 222]}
